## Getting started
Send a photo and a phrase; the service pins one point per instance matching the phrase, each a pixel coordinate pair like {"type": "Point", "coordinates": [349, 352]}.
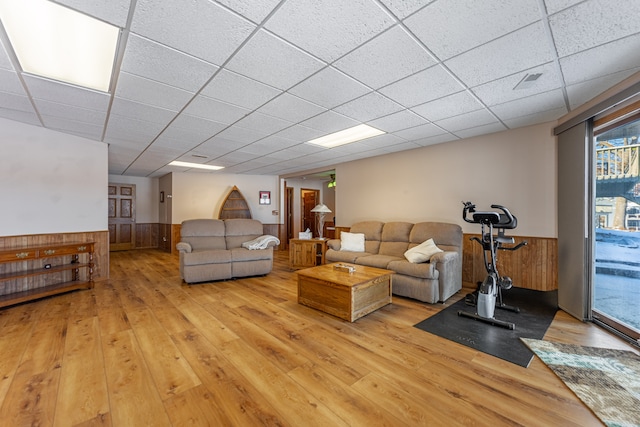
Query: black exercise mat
{"type": "Point", "coordinates": [537, 310]}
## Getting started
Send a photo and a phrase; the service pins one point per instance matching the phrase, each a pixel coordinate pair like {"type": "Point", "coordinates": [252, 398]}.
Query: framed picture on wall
{"type": "Point", "coordinates": [162, 197]}
{"type": "Point", "coordinates": [265, 197]}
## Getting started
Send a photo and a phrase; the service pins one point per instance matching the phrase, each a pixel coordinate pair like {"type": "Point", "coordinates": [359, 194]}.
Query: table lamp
{"type": "Point", "coordinates": [320, 210]}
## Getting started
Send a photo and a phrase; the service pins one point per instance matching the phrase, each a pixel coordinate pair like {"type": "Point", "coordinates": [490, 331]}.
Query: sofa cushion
{"type": "Point", "coordinates": [240, 230]}
{"type": "Point", "coordinates": [372, 231]}
{"type": "Point", "coordinates": [353, 242]}
{"type": "Point", "coordinates": [423, 252]}
{"type": "Point", "coordinates": [447, 236]}
{"type": "Point", "coordinates": [378, 261]}
{"type": "Point", "coordinates": [425, 270]}
{"type": "Point", "coordinates": [203, 234]}
{"type": "Point", "coordinates": [244, 254]}
{"type": "Point", "coordinates": [212, 256]}
{"type": "Point", "coordinates": [344, 256]}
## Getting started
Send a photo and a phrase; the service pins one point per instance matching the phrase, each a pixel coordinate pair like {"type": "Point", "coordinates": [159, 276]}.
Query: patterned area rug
{"type": "Point", "coordinates": [606, 380]}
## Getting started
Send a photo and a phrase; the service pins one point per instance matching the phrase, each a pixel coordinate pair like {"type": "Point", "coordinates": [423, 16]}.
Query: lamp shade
{"type": "Point", "coordinates": [321, 208]}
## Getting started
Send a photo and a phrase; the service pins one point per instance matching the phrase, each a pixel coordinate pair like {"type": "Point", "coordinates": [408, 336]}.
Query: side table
{"type": "Point", "coordinates": [305, 253]}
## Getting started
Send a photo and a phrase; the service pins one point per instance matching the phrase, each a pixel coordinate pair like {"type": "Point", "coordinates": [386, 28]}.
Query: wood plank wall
{"type": "Point", "coordinates": [534, 266]}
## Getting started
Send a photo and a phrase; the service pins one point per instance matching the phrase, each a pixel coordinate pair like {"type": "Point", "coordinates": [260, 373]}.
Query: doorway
{"type": "Point", "coordinates": [615, 286]}
{"type": "Point", "coordinates": [122, 216]}
{"type": "Point", "coordinates": [310, 198]}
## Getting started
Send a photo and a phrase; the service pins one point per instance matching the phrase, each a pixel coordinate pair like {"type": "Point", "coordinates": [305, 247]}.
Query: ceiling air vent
{"type": "Point", "coordinates": [528, 81]}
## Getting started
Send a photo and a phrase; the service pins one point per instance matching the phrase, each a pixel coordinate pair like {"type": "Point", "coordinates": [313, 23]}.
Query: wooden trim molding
{"type": "Point", "coordinates": [534, 266]}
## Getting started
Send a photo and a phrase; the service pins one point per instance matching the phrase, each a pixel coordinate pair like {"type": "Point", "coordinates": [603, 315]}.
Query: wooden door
{"type": "Point", "coordinates": [288, 215]}
{"type": "Point", "coordinates": [309, 201]}
{"type": "Point", "coordinates": [122, 216]}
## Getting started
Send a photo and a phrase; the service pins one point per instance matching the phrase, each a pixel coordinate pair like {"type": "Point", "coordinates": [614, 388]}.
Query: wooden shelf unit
{"type": "Point", "coordinates": [305, 253]}
{"type": "Point", "coordinates": [37, 255]}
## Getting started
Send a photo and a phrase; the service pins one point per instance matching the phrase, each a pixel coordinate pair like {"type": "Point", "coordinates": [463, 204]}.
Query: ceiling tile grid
{"type": "Point", "coordinates": [248, 83]}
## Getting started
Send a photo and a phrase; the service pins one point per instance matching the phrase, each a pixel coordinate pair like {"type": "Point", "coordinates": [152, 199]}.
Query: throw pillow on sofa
{"type": "Point", "coordinates": [423, 252]}
{"type": "Point", "coordinates": [353, 242]}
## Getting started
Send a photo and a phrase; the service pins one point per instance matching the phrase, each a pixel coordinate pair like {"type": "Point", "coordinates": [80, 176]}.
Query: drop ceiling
{"type": "Point", "coordinates": [244, 84]}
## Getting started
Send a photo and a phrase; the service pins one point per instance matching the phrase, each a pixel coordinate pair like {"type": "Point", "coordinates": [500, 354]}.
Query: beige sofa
{"type": "Point", "coordinates": [212, 249]}
{"type": "Point", "coordinates": [385, 245]}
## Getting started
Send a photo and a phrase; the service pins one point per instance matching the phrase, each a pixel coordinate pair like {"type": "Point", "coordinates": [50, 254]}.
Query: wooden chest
{"type": "Point", "coordinates": [348, 296]}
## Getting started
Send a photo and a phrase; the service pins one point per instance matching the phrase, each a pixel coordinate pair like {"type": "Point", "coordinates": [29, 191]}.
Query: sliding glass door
{"type": "Point", "coordinates": [615, 286]}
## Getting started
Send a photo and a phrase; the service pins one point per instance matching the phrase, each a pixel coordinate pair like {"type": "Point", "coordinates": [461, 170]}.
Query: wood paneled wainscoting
{"type": "Point", "coordinates": [100, 270]}
{"type": "Point", "coordinates": [534, 266]}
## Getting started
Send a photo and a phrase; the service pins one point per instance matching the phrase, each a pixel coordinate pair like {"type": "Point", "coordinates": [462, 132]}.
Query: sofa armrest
{"type": "Point", "coordinates": [334, 244]}
{"type": "Point", "coordinates": [184, 247]}
{"type": "Point", "coordinates": [449, 265]}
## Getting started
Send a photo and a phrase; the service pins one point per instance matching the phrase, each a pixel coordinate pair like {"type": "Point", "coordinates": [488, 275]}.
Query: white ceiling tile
{"type": "Point", "coordinates": [213, 109]}
{"type": "Point", "coordinates": [329, 88]}
{"type": "Point", "coordinates": [502, 90]}
{"type": "Point", "coordinates": [299, 133]}
{"type": "Point", "coordinates": [125, 124]}
{"type": "Point", "coordinates": [5, 63]}
{"type": "Point", "coordinates": [272, 61]}
{"type": "Point", "coordinates": [10, 83]}
{"type": "Point", "coordinates": [481, 130]}
{"type": "Point", "coordinates": [397, 121]}
{"type": "Point", "coordinates": [154, 61]}
{"type": "Point", "coordinates": [113, 11]}
{"type": "Point", "coordinates": [20, 116]}
{"type": "Point", "coordinates": [263, 123]}
{"type": "Point", "coordinates": [177, 140]}
{"type": "Point", "coordinates": [329, 28]}
{"type": "Point", "coordinates": [54, 109]}
{"type": "Point", "coordinates": [255, 10]}
{"type": "Point", "coordinates": [425, 86]}
{"type": "Point", "coordinates": [66, 94]}
{"type": "Point", "coordinates": [13, 101]}
{"type": "Point", "coordinates": [554, 6]}
{"type": "Point", "coordinates": [138, 111]}
{"type": "Point", "coordinates": [467, 120]}
{"type": "Point", "coordinates": [582, 92]}
{"type": "Point", "coordinates": [404, 8]}
{"type": "Point", "coordinates": [235, 89]}
{"type": "Point", "coordinates": [436, 139]}
{"type": "Point", "coordinates": [330, 121]}
{"type": "Point", "coordinates": [200, 27]}
{"type": "Point", "coordinates": [593, 23]}
{"type": "Point", "coordinates": [389, 57]}
{"type": "Point", "coordinates": [193, 128]}
{"type": "Point", "coordinates": [538, 117]}
{"type": "Point", "coordinates": [451, 27]}
{"type": "Point", "coordinates": [382, 141]}
{"type": "Point", "coordinates": [418, 132]}
{"type": "Point", "coordinates": [276, 142]}
{"type": "Point", "coordinates": [546, 101]}
{"type": "Point", "coordinates": [517, 51]}
{"type": "Point", "coordinates": [452, 105]}
{"type": "Point", "coordinates": [368, 107]}
{"type": "Point", "coordinates": [609, 58]}
{"type": "Point", "coordinates": [242, 135]}
{"type": "Point", "coordinates": [149, 92]}
{"type": "Point", "coordinates": [290, 107]}
{"type": "Point", "coordinates": [74, 127]}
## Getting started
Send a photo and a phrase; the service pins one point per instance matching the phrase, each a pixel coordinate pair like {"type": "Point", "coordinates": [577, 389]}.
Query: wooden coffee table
{"type": "Point", "coordinates": [348, 296]}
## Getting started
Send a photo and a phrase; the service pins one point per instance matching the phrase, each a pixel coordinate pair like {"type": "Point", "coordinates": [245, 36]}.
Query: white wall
{"type": "Point", "coordinates": [200, 195]}
{"type": "Point", "coordinates": [147, 196]}
{"type": "Point", "coordinates": [515, 168]}
{"type": "Point", "coordinates": [51, 182]}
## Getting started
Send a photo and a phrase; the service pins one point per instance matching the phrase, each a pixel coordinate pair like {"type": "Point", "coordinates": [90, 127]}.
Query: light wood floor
{"type": "Point", "coordinates": [144, 349]}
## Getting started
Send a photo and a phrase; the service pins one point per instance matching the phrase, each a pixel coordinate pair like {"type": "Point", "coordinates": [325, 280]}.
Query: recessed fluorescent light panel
{"type": "Point", "coordinates": [58, 43]}
{"type": "Point", "coordinates": [195, 165]}
{"type": "Point", "coordinates": [346, 136]}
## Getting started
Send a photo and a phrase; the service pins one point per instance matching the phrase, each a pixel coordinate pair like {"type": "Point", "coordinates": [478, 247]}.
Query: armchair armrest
{"type": "Point", "coordinates": [449, 265]}
{"type": "Point", "coordinates": [334, 244]}
{"type": "Point", "coordinates": [184, 247]}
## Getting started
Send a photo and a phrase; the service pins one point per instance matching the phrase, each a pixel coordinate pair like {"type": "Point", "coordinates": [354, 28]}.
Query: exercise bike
{"type": "Point", "coordinates": [488, 296]}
